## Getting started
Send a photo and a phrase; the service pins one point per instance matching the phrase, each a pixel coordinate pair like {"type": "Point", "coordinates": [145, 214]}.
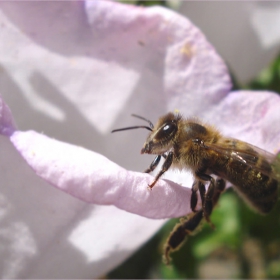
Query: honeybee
{"type": "Point", "coordinates": [202, 149]}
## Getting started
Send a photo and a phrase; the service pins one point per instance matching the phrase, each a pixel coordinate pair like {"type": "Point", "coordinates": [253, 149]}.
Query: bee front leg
{"type": "Point", "coordinates": [167, 163]}
{"type": "Point", "coordinates": [153, 165]}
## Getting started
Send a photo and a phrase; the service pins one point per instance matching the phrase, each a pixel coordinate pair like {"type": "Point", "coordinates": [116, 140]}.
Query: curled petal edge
{"type": "Point", "coordinates": [93, 178]}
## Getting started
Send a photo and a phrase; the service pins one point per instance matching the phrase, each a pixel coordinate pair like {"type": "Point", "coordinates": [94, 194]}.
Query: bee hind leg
{"type": "Point", "coordinates": [190, 224]}
{"type": "Point", "coordinates": [220, 186]}
{"type": "Point", "coordinates": [179, 233]}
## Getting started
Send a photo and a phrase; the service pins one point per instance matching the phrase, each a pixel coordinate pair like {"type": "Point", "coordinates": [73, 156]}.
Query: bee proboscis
{"type": "Point", "coordinates": [202, 149]}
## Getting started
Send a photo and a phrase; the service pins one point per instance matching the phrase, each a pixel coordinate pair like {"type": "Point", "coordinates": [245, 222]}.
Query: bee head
{"type": "Point", "coordinates": [161, 139]}
{"type": "Point", "coordinates": [162, 135]}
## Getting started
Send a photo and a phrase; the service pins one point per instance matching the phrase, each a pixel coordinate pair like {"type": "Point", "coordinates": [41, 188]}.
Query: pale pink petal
{"type": "Point", "coordinates": [42, 227]}
{"type": "Point", "coordinates": [68, 73]}
{"type": "Point", "coordinates": [250, 116]}
{"type": "Point", "coordinates": [93, 178]}
{"type": "Point", "coordinates": [63, 73]}
{"type": "Point", "coordinates": [185, 65]}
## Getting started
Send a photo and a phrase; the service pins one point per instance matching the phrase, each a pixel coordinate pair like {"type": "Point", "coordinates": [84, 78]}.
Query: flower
{"type": "Point", "coordinates": [75, 71]}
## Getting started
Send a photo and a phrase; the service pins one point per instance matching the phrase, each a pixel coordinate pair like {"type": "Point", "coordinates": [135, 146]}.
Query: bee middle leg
{"type": "Point", "coordinates": [197, 185]}
{"type": "Point", "coordinates": [207, 204]}
{"type": "Point", "coordinates": [211, 198]}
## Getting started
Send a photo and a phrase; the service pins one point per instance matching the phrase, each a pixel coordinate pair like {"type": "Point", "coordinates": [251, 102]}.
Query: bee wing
{"type": "Point", "coordinates": [252, 156]}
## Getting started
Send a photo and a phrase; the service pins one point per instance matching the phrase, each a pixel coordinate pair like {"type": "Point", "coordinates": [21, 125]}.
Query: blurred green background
{"type": "Point", "coordinates": [244, 244]}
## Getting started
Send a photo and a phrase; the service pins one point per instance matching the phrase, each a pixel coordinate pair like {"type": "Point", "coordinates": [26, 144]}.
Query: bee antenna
{"type": "Point", "coordinates": [131, 127]}
{"type": "Point", "coordinates": [134, 127]}
{"type": "Point", "coordinates": [139, 117]}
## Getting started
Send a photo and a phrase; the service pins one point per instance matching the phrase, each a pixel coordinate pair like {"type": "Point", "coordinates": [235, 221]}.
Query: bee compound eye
{"type": "Point", "coordinates": [167, 130]}
{"type": "Point", "coordinates": [166, 127]}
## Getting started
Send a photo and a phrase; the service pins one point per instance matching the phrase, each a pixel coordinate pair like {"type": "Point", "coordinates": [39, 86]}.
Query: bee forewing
{"type": "Point", "coordinates": [252, 156]}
